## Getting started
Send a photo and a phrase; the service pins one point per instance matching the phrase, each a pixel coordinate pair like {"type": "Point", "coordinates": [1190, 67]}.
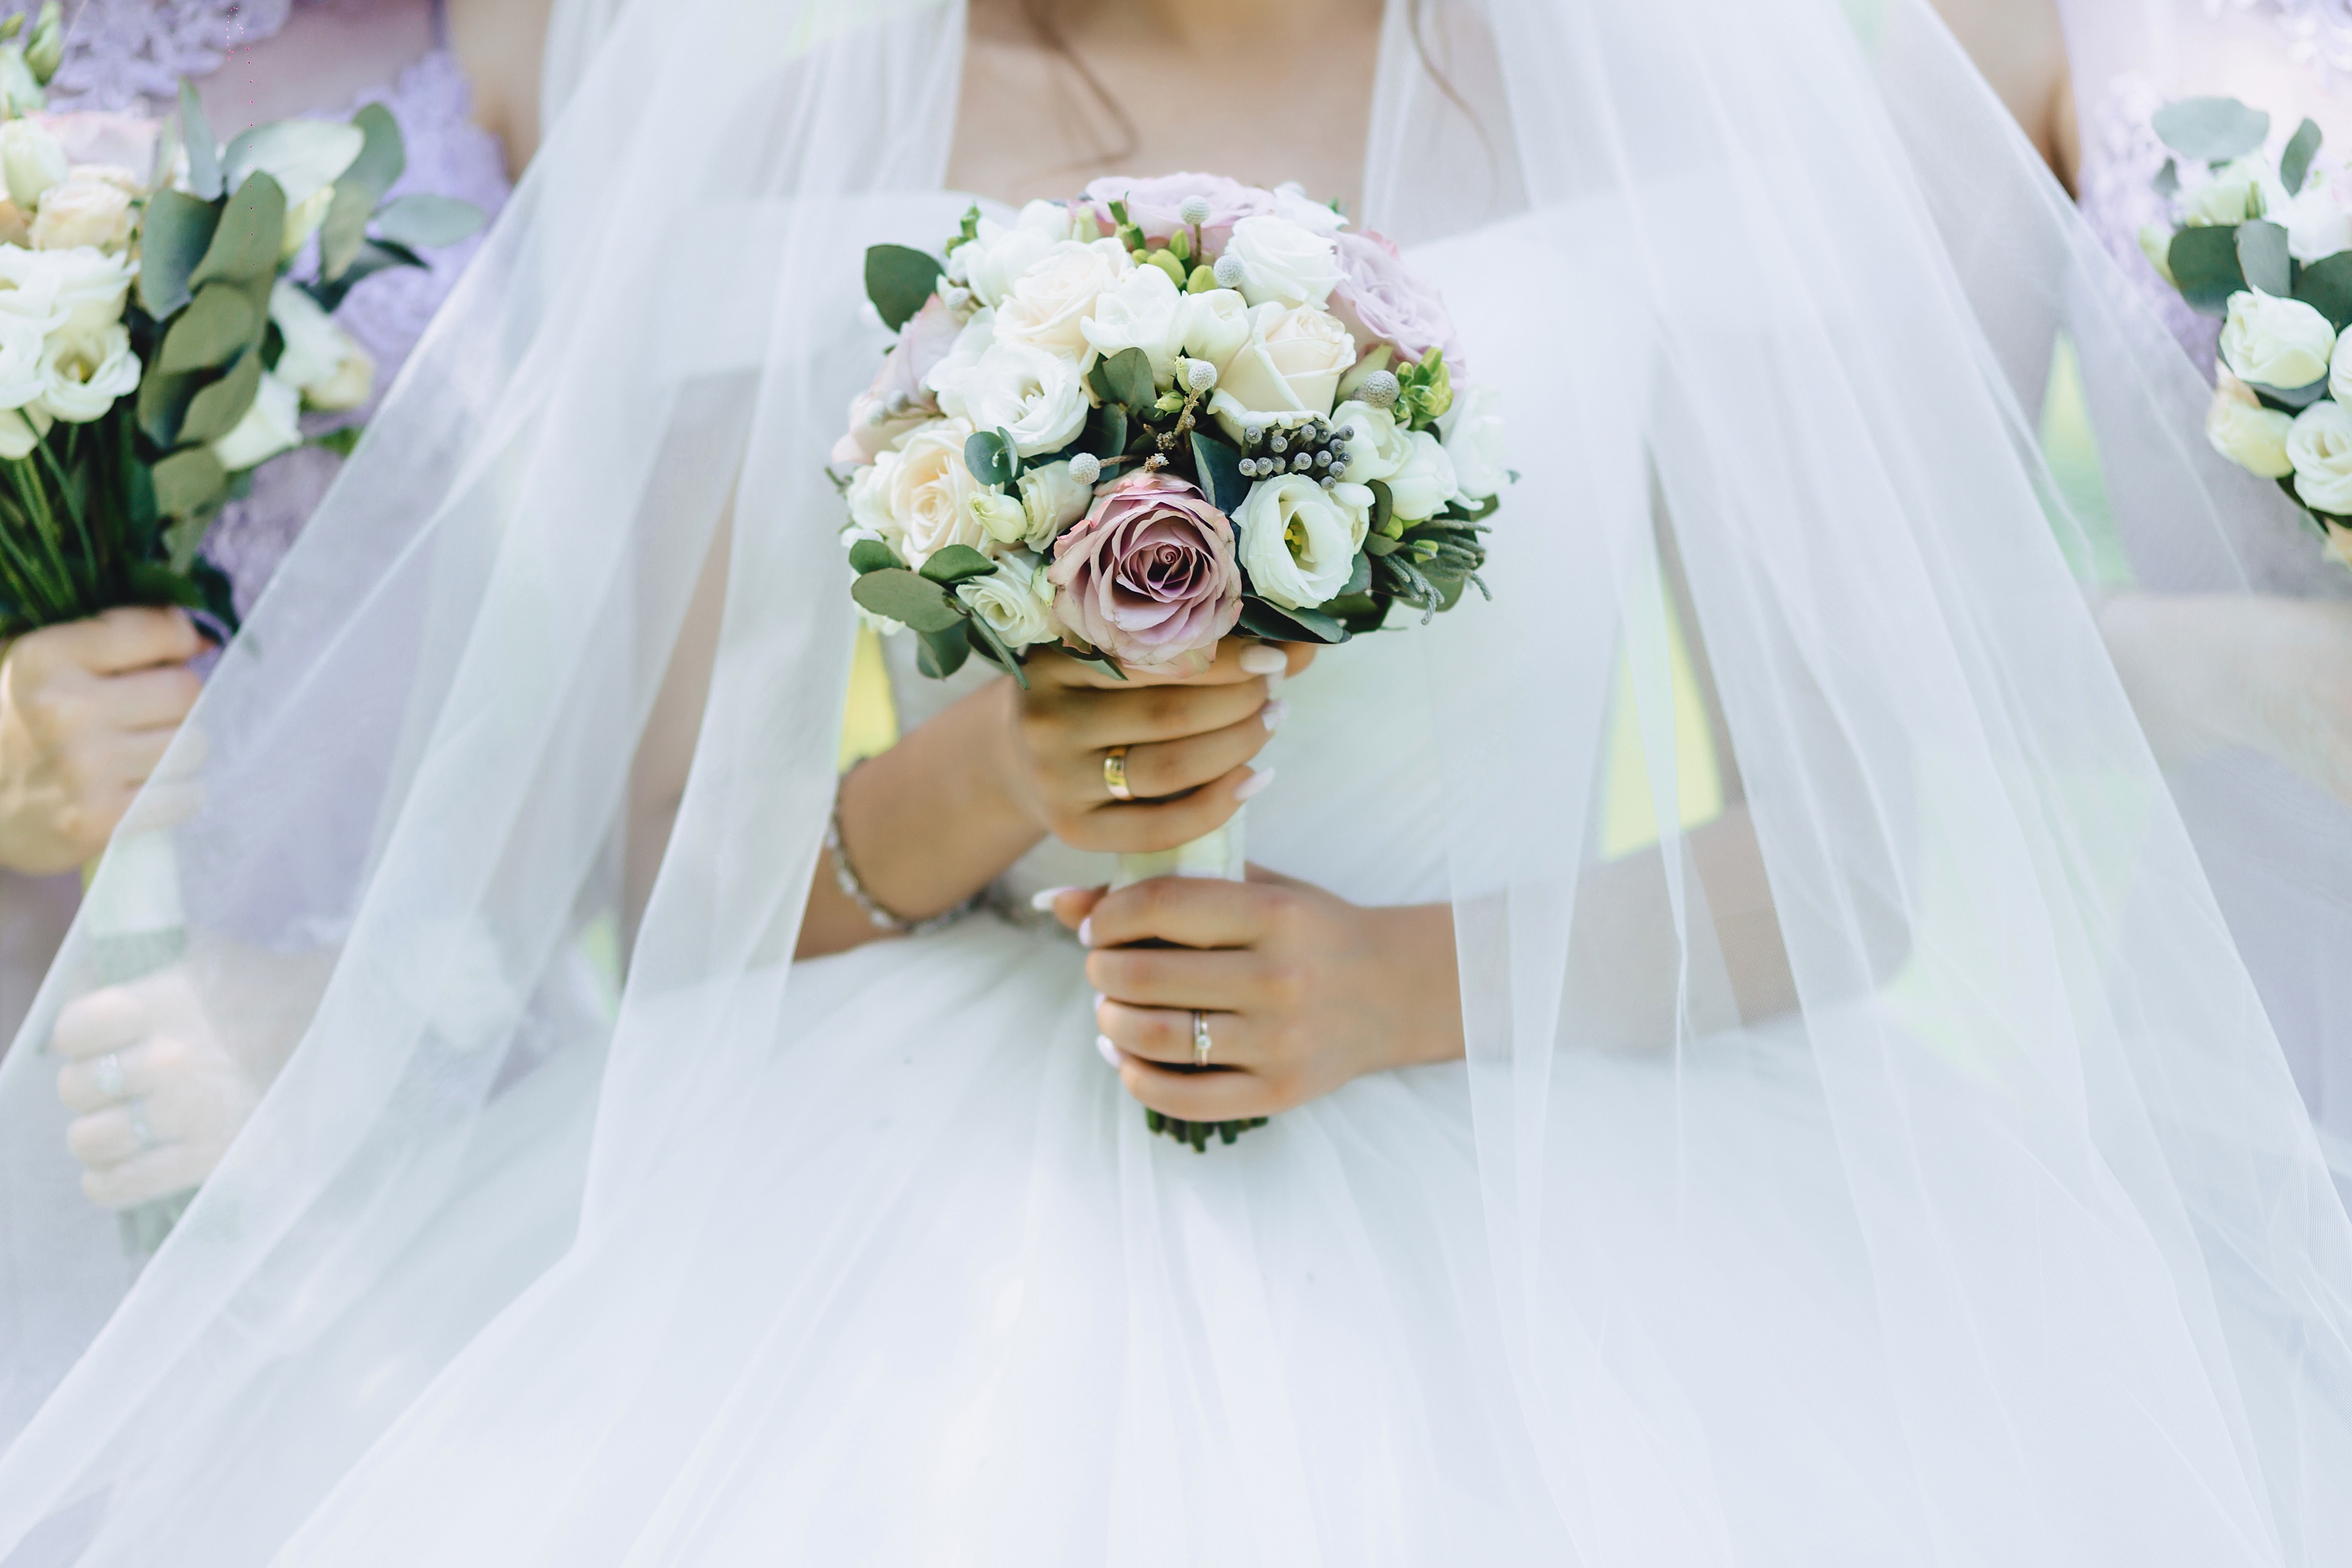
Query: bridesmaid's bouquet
{"type": "Point", "coordinates": [2266, 245]}
{"type": "Point", "coordinates": [1170, 411]}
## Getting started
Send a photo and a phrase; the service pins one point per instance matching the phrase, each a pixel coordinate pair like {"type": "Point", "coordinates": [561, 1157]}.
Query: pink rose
{"type": "Point", "coordinates": [1385, 301]}
{"type": "Point", "coordinates": [1151, 205]}
{"type": "Point", "coordinates": [1148, 576]}
{"type": "Point", "coordinates": [898, 401]}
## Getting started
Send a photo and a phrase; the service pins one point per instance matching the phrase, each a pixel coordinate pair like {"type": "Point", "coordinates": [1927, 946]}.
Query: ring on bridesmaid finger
{"type": "Point", "coordinates": [107, 1073]}
{"type": "Point", "coordinates": [1200, 1038]}
{"type": "Point", "coordinates": [1115, 773]}
{"type": "Point", "coordinates": [137, 1112]}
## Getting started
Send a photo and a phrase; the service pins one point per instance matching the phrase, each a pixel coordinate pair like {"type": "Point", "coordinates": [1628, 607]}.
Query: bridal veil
{"type": "Point", "coordinates": [1745, 267]}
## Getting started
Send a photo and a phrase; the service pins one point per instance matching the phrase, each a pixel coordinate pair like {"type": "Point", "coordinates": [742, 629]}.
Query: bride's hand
{"type": "Point", "coordinates": [1302, 991]}
{"type": "Point", "coordinates": [1189, 740]}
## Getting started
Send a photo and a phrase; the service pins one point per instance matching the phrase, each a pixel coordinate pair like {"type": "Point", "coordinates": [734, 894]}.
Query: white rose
{"type": "Point", "coordinates": [273, 425]}
{"type": "Point", "coordinates": [990, 265]}
{"type": "Point", "coordinates": [83, 373]}
{"type": "Point", "coordinates": [1299, 541]}
{"type": "Point", "coordinates": [869, 507]}
{"type": "Point", "coordinates": [1284, 262]}
{"type": "Point", "coordinates": [319, 359]}
{"type": "Point", "coordinates": [1016, 600]}
{"type": "Point", "coordinates": [2282, 343]}
{"type": "Point", "coordinates": [928, 493]}
{"type": "Point", "coordinates": [999, 516]}
{"type": "Point", "coordinates": [1474, 439]}
{"type": "Point", "coordinates": [1293, 205]}
{"type": "Point", "coordinates": [2246, 433]}
{"type": "Point", "coordinates": [1146, 311]}
{"type": "Point", "coordinates": [2319, 444]}
{"type": "Point", "coordinates": [80, 290]}
{"type": "Point", "coordinates": [1216, 325]}
{"type": "Point", "coordinates": [83, 212]}
{"type": "Point", "coordinates": [1048, 304]}
{"type": "Point", "coordinates": [2317, 223]}
{"type": "Point", "coordinates": [1376, 447]}
{"type": "Point", "coordinates": [1053, 501]}
{"type": "Point", "coordinates": [1425, 481]}
{"type": "Point", "coordinates": [21, 344]}
{"type": "Point", "coordinates": [31, 161]}
{"type": "Point", "coordinates": [2230, 194]}
{"type": "Point", "coordinates": [1291, 364]}
{"type": "Point", "coordinates": [1035, 395]}
{"type": "Point", "coordinates": [21, 430]}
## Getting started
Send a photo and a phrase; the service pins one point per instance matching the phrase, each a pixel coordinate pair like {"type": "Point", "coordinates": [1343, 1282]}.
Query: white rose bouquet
{"type": "Point", "coordinates": [1164, 413]}
{"type": "Point", "coordinates": [2266, 245]}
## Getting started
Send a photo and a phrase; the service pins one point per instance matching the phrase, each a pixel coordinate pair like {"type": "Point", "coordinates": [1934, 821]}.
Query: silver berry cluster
{"type": "Point", "coordinates": [1316, 449]}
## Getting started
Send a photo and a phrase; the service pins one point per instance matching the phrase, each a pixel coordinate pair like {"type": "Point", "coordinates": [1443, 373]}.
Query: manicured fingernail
{"type": "Point", "coordinates": [1260, 659]}
{"type": "Point", "coordinates": [1259, 778]}
{"type": "Point", "coordinates": [1043, 902]}
{"type": "Point", "coordinates": [1109, 1052]}
{"type": "Point", "coordinates": [1086, 932]}
{"type": "Point", "coordinates": [1275, 712]}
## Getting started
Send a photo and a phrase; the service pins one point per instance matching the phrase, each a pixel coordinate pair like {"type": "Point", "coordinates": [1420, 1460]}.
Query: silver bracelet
{"type": "Point", "coordinates": [880, 918]}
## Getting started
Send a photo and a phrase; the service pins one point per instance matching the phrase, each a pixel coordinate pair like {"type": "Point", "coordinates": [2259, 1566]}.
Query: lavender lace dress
{"type": "Point", "coordinates": [121, 53]}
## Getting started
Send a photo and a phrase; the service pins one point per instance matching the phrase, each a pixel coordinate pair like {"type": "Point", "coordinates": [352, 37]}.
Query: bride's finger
{"type": "Point", "coordinates": [1220, 980]}
{"type": "Point", "coordinates": [1200, 1096]}
{"type": "Point", "coordinates": [1160, 713]}
{"type": "Point", "coordinates": [1165, 1035]}
{"type": "Point", "coordinates": [1148, 828]}
{"type": "Point", "coordinates": [1238, 659]}
{"type": "Point", "coordinates": [1162, 768]}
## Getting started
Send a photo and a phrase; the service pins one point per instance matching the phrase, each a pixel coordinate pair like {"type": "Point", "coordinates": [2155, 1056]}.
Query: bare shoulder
{"type": "Point", "coordinates": [500, 43]}
{"type": "Point", "coordinates": [2021, 48]}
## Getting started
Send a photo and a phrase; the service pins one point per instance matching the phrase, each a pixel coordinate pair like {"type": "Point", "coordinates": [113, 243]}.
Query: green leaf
{"type": "Point", "coordinates": [371, 260]}
{"type": "Point", "coordinates": [2204, 263]}
{"type": "Point", "coordinates": [957, 564]}
{"type": "Point", "coordinates": [994, 648]}
{"type": "Point", "coordinates": [1110, 432]}
{"type": "Point", "coordinates": [1359, 577]}
{"type": "Point", "coordinates": [214, 412]}
{"type": "Point", "coordinates": [427, 222]}
{"type": "Point", "coordinates": [221, 324]}
{"type": "Point", "coordinates": [941, 654]}
{"type": "Point", "coordinates": [1376, 544]}
{"type": "Point", "coordinates": [204, 153]}
{"type": "Point", "coordinates": [2326, 287]}
{"type": "Point", "coordinates": [383, 155]}
{"type": "Point", "coordinates": [2294, 163]}
{"type": "Point", "coordinates": [899, 280]}
{"type": "Point", "coordinates": [1125, 378]}
{"type": "Point", "coordinates": [1383, 506]}
{"type": "Point", "coordinates": [164, 404]}
{"type": "Point", "coordinates": [173, 237]}
{"type": "Point", "coordinates": [152, 582]}
{"type": "Point", "coordinates": [342, 440]}
{"type": "Point", "coordinates": [244, 248]}
{"type": "Point", "coordinates": [901, 596]}
{"type": "Point", "coordinates": [345, 228]}
{"type": "Point", "coordinates": [1264, 620]}
{"type": "Point", "coordinates": [303, 156]}
{"type": "Point", "coordinates": [1218, 469]}
{"type": "Point", "coordinates": [873, 555]}
{"type": "Point", "coordinates": [2262, 257]}
{"type": "Point", "coordinates": [2212, 129]}
{"type": "Point", "coordinates": [989, 458]}
{"type": "Point", "coordinates": [2167, 182]}
{"type": "Point", "coordinates": [1361, 614]}
{"type": "Point", "coordinates": [190, 484]}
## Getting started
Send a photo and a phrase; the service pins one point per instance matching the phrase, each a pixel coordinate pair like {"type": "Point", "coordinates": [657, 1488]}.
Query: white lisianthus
{"type": "Point", "coordinates": [83, 373]}
{"type": "Point", "coordinates": [31, 161]}
{"type": "Point", "coordinates": [1376, 446]}
{"type": "Point", "coordinates": [1048, 304]}
{"type": "Point", "coordinates": [927, 493]}
{"type": "Point", "coordinates": [990, 265]}
{"type": "Point", "coordinates": [1145, 311]}
{"type": "Point", "coordinates": [2271, 341]}
{"type": "Point", "coordinates": [1298, 540]}
{"type": "Point", "coordinates": [1284, 262]}
{"type": "Point", "coordinates": [1016, 600]}
{"type": "Point", "coordinates": [1291, 364]}
{"type": "Point", "coordinates": [2316, 221]}
{"type": "Point", "coordinates": [1053, 501]}
{"type": "Point", "coordinates": [80, 290]}
{"type": "Point", "coordinates": [999, 516]}
{"type": "Point", "coordinates": [1216, 325]}
{"type": "Point", "coordinates": [2319, 444]}
{"type": "Point", "coordinates": [94, 213]}
{"type": "Point", "coordinates": [21, 430]}
{"type": "Point", "coordinates": [1293, 205]}
{"type": "Point", "coordinates": [869, 507]}
{"type": "Point", "coordinates": [273, 425]}
{"type": "Point", "coordinates": [320, 360]}
{"type": "Point", "coordinates": [2339, 373]}
{"type": "Point", "coordinates": [1034, 394]}
{"type": "Point", "coordinates": [977, 337]}
{"type": "Point", "coordinates": [2249, 435]}
{"type": "Point", "coordinates": [21, 343]}
{"type": "Point", "coordinates": [2230, 194]}
{"type": "Point", "coordinates": [1425, 481]}
{"type": "Point", "coordinates": [1474, 440]}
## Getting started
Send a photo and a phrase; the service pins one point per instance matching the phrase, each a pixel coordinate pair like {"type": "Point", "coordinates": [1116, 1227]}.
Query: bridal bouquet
{"type": "Point", "coordinates": [1168, 412]}
{"type": "Point", "coordinates": [2267, 246]}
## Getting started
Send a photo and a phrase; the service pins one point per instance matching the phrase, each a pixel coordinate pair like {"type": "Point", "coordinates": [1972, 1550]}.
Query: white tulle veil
{"type": "Point", "coordinates": [1741, 266]}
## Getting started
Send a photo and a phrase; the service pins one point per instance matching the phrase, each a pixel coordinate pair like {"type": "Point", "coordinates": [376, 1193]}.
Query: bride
{"type": "Point", "coordinates": [1888, 1162]}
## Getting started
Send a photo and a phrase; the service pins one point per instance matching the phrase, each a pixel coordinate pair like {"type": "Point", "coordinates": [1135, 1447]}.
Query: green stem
{"type": "Point", "coordinates": [62, 602]}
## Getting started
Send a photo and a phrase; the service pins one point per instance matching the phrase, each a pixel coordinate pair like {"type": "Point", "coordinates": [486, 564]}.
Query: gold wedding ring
{"type": "Point", "coordinates": [1115, 773]}
{"type": "Point", "coordinates": [1200, 1038]}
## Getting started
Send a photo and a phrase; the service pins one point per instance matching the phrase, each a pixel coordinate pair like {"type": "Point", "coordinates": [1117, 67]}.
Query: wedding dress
{"type": "Point", "coordinates": [2008, 1244]}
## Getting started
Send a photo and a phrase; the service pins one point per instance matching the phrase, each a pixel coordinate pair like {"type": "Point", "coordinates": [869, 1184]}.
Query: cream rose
{"type": "Point", "coordinates": [2232, 194]}
{"type": "Point", "coordinates": [83, 212]}
{"type": "Point", "coordinates": [83, 373]}
{"type": "Point", "coordinates": [2319, 444]}
{"type": "Point", "coordinates": [273, 425]}
{"type": "Point", "coordinates": [1052, 501]}
{"type": "Point", "coordinates": [1291, 364]}
{"type": "Point", "coordinates": [2274, 343]}
{"type": "Point", "coordinates": [1034, 394]}
{"type": "Point", "coordinates": [990, 265]}
{"type": "Point", "coordinates": [2316, 221]}
{"type": "Point", "coordinates": [2246, 433]}
{"type": "Point", "coordinates": [80, 290]}
{"type": "Point", "coordinates": [999, 516]}
{"type": "Point", "coordinates": [1298, 540]}
{"type": "Point", "coordinates": [1425, 481]}
{"type": "Point", "coordinates": [1474, 439]}
{"type": "Point", "coordinates": [319, 359]}
{"type": "Point", "coordinates": [1216, 325]}
{"type": "Point", "coordinates": [1284, 262]}
{"type": "Point", "coordinates": [31, 161]}
{"type": "Point", "coordinates": [1376, 447]}
{"type": "Point", "coordinates": [1048, 304]}
{"type": "Point", "coordinates": [927, 493]}
{"type": "Point", "coordinates": [1145, 311]}
{"type": "Point", "coordinates": [1016, 600]}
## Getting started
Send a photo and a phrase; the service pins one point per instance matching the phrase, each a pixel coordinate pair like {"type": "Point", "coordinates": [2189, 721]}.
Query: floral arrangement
{"type": "Point", "coordinates": [1133, 424]}
{"type": "Point", "coordinates": [2266, 245]}
{"type": "Point", "coordinates": [155, 344]}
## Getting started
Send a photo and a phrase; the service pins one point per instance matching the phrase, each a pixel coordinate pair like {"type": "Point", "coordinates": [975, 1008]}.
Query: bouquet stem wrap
{"type": "Point", "coordinates": [138, 924]}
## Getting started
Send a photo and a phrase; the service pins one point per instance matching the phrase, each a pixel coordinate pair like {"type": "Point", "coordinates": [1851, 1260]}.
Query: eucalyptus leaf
{"type": "Point", "coordinates": [1219, 467]}
{"type": "Point", "coordinates": [899, 280]}
{"type": "Point", "coordinates": [983, 638]}
{"type": "Point", "coordinates": [2326, 285]}
{"type": "Point", "coordinates": [1383, 506]}
{"type": "Point", "coordinates": [1376, 544]}
{"type": "Point", "coordinates": [163, 402]}
{"type": "Point", "coordinates": [152, 582]}
{"type": "Point", "coordinates": [1125, 378]}
{"type": "Point", "coordinates": [2262, 257]}
{"type": "Point", "coordinates": [383, 155]}
{"type": "Point", "coordinates": [873, 555]}
{"type": "Point", "coordinates": [220, 325]}
{"type": "Point", "coordinates": [204, 153]}
{"type": "Point", "coordinates": [1359, 577]}
{"type": "Point", "coordinates": [2294, 163]}
{"type": "Point", "coordinates": [1110, 432]}
{"type": "Point", "coordinates": [426, 222]}
{"type": "Point", "coordinates": [989, 458]}
{"type": "Point", "coordinates": [2212, 129]}
{"type": "Point", "coordinates": [244, 245]}
{"type": "Point", "coordinates": [2204, 263]}
{"type": "Point", "coordinates": [215, 410]}
{"type": "Point", "coordinates": [901, 596]}
{"type": "Point", "coordinates": [2167, 182]}
{"type": "Point", "coordinates": [304, 156]}
{"type": "Point", "coordinates": [174, 236]}
{"type": "Point", "coordinates": [956, 563]}
{"type": "Point", "coordinates": [1264, 620]}
{"type": "Point", "coordinates": [345, 228]}
{"type": "Point", "coordinates": [371, 260]}
{"type": "Point", "coordinates": [190, 484]}
{"type": "Point", "coordinates": [941, 654]}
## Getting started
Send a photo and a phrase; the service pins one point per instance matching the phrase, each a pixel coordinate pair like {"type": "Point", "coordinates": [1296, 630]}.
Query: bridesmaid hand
{"type": "Point", "coordinates": [1191, 738]}
{"type": "Point", "coordinates": [1301, 991]}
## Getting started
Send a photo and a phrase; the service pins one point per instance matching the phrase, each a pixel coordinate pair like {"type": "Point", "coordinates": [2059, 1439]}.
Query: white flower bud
{"type": "Point", "coordinates": [1194, 211]}
{"type": "Point", "coordinates": [1086, 467]}
{"type": "Point", "coordinates": [1381, 389]}
{"type": "Point", "coordinates": [1199, 374]}
{"type": "Point", "coordinates": [1228, 271]}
